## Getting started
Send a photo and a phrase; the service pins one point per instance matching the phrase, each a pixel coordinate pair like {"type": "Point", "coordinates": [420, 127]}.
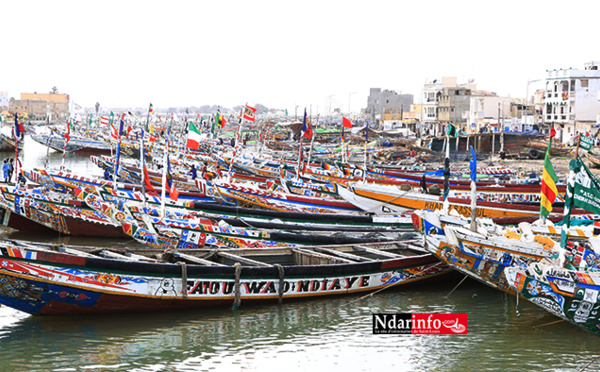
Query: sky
{"type": "Point", "coordinates": [289, 55]}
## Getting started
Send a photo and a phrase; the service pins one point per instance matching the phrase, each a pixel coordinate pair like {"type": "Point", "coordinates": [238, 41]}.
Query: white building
{"type": "Point", "coordinates": [3, 99]}
{"type": "Point", "coordinates": [489, 110]}
{"type": "Point", "coordinates": [571, 100]}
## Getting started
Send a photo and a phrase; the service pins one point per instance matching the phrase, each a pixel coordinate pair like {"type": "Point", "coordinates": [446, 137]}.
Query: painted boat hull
{"type": "Point", "coordinates": [42, 282]}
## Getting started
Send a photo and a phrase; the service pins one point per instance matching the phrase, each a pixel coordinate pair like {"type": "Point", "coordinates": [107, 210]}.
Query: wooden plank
{"type": "Point", "coordinates": [376, 251]}
{"type": "Point", "coordinates": [245, 260]}
{"type": "Point", "coordinates": [110, 254]}
{"type": "Point", "coordinates": [349, 256]}
{"type": "Point", "coordinates": [322, 255]}
{"type": "Point", "coordinates": [197, 260]}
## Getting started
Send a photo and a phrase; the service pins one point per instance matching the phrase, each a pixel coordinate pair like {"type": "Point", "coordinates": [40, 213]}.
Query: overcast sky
{"type": "Point", "coordinates": [285, 54]}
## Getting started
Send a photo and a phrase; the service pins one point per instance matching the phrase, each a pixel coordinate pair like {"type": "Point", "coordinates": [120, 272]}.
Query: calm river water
{"type": "Point", "coordinates": [316, 335]}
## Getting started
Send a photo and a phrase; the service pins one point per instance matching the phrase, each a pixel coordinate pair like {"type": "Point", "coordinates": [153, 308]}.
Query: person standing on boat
{"type": "Point", "coordinates": [11, 168]}
{"type": "Point", "coordinates": [5, 170]}
{"type": "Point", "coordinates": [193, 173]}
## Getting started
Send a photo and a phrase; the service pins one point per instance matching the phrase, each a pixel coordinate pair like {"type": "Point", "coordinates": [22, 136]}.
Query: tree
{"type": "Point", "coordinates": [54, 90]}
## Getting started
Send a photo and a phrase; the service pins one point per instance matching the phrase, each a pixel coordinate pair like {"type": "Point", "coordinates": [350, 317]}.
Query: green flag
{"type": "Point", "coordinates": [583, 191]}
{"type": "Point", "coordinates": [452, 130]}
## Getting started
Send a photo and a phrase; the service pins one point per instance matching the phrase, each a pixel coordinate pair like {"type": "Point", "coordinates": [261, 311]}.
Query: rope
{"type": "Point", "coordinates": [546, 324]}
{"type": "Point", "coordinates": [590, 363]}
{"type": "Point", "coordinates": [388, 286]}
{"type": "Point", "coordinates": [463, 279]}
{"type": "Point", "coordinates": [281, 276]}
{"type": "Point", "coordinates": [238, 295]}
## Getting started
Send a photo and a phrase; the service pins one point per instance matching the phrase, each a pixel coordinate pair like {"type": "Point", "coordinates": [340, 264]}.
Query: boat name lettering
{"type": "Point", "coordinates": [204, 287]}
{"type": "Point", "coordinates": [559, 274]}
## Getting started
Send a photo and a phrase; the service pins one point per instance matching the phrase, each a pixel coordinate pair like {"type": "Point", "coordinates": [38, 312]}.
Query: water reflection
{"type": "Point", "coordinates": [333, 332]}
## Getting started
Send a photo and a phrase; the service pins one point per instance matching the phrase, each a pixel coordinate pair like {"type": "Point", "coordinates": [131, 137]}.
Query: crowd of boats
{"type": "Point", "coordinates": [266, 219]}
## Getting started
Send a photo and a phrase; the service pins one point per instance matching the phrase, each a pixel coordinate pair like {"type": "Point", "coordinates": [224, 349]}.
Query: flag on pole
{"type": "Point", "coordinates": [473, 165]}
{"type": "Point", "coordinates": [151, 109]}
{"type": "Point", "coordinates": [68, 133]}
{"type": "Point", "coordinates": [104, 120]}
{"type": "Point", "coordinates": [220, 120]}
{"type": "Point", "coordinates": [549, 189]}
{"type": "Point", "coordinates": [249, 113]}
{"type": "Point", "coordinates": [452, 130]}
{"type": "Point", "coordinates": [173, 193]}
{"type": "Point", "coordinates": [306, 127]}
{"type": "Point", "coordinates": [19, 130]}
{"type": "Point", "coordinates": [193, 141]}
{"type": "Point", "coordinates": [147, 182]}
{"type": "Point", "coordinates": [346, 123]}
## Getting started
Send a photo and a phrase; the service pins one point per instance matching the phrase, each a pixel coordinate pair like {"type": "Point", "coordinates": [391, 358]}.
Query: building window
{"type": "Point", "coordinates": [584, 83]}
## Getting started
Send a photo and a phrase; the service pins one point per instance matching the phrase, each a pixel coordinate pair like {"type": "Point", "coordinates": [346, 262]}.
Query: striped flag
{"type": "Point", "coordinates": [193, 141]}
{"type": "Point", "coordinates": [549, 190]}
{"type": "Point", "coordinates": [104, 120]}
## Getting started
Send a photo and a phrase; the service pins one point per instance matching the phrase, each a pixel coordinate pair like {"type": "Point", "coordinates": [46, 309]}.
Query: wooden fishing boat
{"type": "Point", "coordinates": [482, 255]}
{"type": "Point", "coordinates": [538, 149]}
{"type": "Point", "coordinates": [389, 199]}
{"type": "Point", "coordinates": [252, 195]}
{"type": "Point", "coordinates": [593, 160]}
{"type": "Point", "coordinates": [48, 280]}
{"type": "Point", "coordinates": [30, 209]}
{"type": "Point", "coordinates": [8, 144]}
{"type": "Point", "coordinates": [571, 294]}
{"type": "Point", "coordinates": [56, 141]}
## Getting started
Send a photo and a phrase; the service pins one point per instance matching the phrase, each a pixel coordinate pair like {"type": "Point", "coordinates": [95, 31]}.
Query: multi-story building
{"type": "Point", "coordinates": [445, 101]}
{"type": "Point", "coordinates": [487, 111]}
{"type": "Point", "coordinates": [454, 105]}
{"type": "Point", "coordinates": [380, 103]}
{"type": "Point", "coordinates": [571, 103]}
{"type": "Point", "coordinates": [41, 105]}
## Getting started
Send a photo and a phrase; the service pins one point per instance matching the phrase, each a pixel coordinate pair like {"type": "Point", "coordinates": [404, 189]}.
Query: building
{"type": "Point", "coordinates": [40, 106]}
{"type": "Point", "coordinates": [3, 101]}
{"type": "Point", "coordinates": [571, 100]}
{"type": "Point", "coordinates": [487, 111]}
{"type": "Point", "coordinates": [387, 102]}
{"type": "Point", "coordinates": [445, 101]}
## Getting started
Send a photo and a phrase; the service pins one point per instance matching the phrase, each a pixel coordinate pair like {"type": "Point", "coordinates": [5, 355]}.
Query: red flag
{"type": "Point", "coordinates": [347, 123]}
{"type": "Point", "coordinates": [68, 134]}
{"type": "Point", "coordinates": [249, 113]}
{"type": "Point", "coordinates": [149, 187]}
{"type": "Point", "coordinates": [114, 132]}
{"type": "Point", "coordinates": [552, 132]}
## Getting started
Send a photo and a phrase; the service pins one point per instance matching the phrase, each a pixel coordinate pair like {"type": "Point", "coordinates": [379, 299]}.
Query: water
{"type": "Point", "coordinates": [315, 335]}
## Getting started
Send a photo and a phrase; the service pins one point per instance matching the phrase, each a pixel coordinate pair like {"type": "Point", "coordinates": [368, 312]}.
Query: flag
{"type": "Point", "coordinates": [286, 112]}
{"type": "Point", "coordinates": [346, 123]}
{"type": "Point", "coordinates": [549, 190]}
{"type": "Point", "coordinates": [220, 120]}
{"type": "Point", "coordinates": [68, 133]}
{"type": "Point", "coordinates": [19, 130]}
{"type": "Point", "coordinates": [173, 193]}
{"type": "Point", "coordinates": [147, 183]}
{"type": "Point", "coordinates": [249, 113]}
{"type": "Point", "coordinates": [306, 127]}
{"type": "Point", "coordinates": [193, 141]}
{"type": "Point", "coordinates": [452, 130]}
{"type": "Point", "coordinates": [151, 109]}
{"type": "Point", "coordinates": [104, 120]}
{"type": "Point", "coordinates": [116, 134]}
{"type": "Point", "coordinates": [473, 165]}
{"type": "Point", "coordinates": [552, 132]}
